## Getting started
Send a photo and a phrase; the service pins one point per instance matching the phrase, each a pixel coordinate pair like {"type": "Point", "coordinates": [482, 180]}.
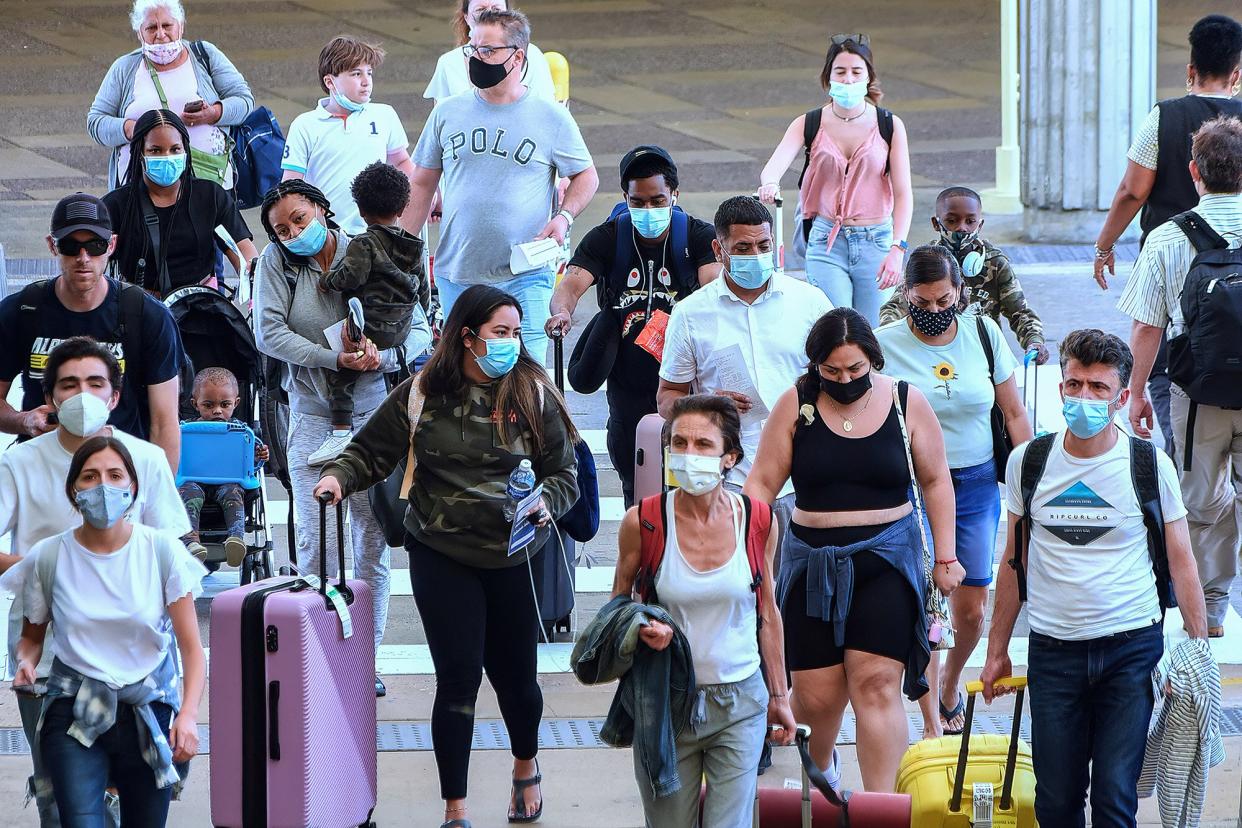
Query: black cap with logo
{"type": "Point", "coordinates": [81, 211]}
{"type": "Point", "coordinates": [643, 153]}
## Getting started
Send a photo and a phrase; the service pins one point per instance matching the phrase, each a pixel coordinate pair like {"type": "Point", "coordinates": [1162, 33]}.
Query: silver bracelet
{"type": "Point", "coordinates": [1104, 254]}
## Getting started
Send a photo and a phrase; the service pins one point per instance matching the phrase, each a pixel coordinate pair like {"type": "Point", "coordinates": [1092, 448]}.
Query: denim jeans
{"type": "Point", "coordinates": [80, 774]}
{"type": "Point", "coordinates": [847, 273]}
{"type": "Point", "coordinates": [533, 292]}
{"type": "Point", "coordinates": [1091, 703]}
{"type": "Point", "coordinates": [978, 515]}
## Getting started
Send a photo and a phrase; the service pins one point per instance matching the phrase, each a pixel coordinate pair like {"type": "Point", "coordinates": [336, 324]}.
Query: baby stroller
{"type": "Point", "coordinates": [215, 333]}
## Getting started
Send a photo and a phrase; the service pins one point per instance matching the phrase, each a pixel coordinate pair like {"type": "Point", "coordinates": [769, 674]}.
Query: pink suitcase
{"type": "Point", "coordinates": [293, 703]}
{"type": "Point", "coordinates": [649, 457]}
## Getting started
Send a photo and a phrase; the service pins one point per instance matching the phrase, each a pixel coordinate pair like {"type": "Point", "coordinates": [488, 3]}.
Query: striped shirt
{"type": "Point", "coordinates": [1153, 293]}
{"type": "Point", "coordinates": [1185, 740]}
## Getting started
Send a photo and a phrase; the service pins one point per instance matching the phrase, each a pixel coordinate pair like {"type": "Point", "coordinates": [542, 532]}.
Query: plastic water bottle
{"type": "Point", "coordinates": [521, 484]}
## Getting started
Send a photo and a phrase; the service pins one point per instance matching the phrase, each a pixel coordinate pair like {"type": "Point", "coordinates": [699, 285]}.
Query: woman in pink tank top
{"type": "Point", "coordinates": [855, 194]}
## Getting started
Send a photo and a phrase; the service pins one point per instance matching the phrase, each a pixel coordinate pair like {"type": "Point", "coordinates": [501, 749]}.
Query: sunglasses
{"type": "Point", "coordinates": [71, 247]}
{"type": "Point", "coordinates": [841, 39]}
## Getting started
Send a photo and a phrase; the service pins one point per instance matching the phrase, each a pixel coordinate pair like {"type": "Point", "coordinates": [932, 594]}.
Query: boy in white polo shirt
{"type": "Point", "coordinates": [335, 141]}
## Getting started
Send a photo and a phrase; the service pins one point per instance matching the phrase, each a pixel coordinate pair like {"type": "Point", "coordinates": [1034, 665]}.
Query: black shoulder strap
{"type": "Point", "coordinates": [810, 128]}
{"type": "Point", "coordinates": [987, 347]}
{"type": "Point", "coordinates": [200, 52]}
{"type": "Point", "coordinates": [1033, 463]}
{"type": "Point", "coordinates": [29, 305]}
{"type": "Point", "coordinates": [884, 118]}
{"type": "Point", "coordinates": [163, 282]}
{"type": "Point", "coordinates": [1200, 233]}
{"type": "Point", "coordinates": [131, 301]}
{"type": "Point", "coordinates": [903, 394]}
{"type": "Point", "coordinates": [1146, 482]}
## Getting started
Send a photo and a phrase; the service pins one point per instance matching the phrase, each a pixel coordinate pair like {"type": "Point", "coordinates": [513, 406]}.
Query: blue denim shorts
{"type": "Point", "coordinates": [978, 513]}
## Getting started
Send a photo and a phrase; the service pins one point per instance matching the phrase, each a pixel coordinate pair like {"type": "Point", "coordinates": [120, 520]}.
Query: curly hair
{"type": "Point", "coordinates": [381, 191]}
{"type": "Point", "coordinates": [294, 186]}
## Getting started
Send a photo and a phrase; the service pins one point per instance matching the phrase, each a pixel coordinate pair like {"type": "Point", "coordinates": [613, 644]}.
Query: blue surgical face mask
{"type": "Point", "coordinates": [346, 104]}
{"type": "Point", "coordinates": [501, 356]}
{"type": "Point", "coordinates": [1087, 418]}
{"type": "Point", "coordinates": [847, 95]}
{"type": "Point", "coordinates": [310, 241]}
{"type": "Point", "coordinates": [751, 272]}
{"type": "Point", "coordinates": [104, 505]}
{"type": "Point", "coordinates": [650, 222]}
{"type": "Point", "coordinates": [164, 170]}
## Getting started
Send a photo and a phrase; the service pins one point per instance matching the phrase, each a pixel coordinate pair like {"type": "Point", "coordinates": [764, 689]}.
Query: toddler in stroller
{"type": "Point", "coordinates": [215, 396]}
{"type": "Point", "coordinates": [382, 277]}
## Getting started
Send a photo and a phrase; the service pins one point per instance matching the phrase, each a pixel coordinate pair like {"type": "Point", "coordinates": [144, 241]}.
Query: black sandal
{"type": "Point", "coordinates": [518, 802]}
{"type": "Point", "coordinates": [949, 715]}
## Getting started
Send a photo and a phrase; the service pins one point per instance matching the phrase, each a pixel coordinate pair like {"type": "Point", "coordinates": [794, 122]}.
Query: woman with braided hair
{"type": "Point", "coordinates": [292, 314]}
{"type": "Point", "coordinates": [165, 217]}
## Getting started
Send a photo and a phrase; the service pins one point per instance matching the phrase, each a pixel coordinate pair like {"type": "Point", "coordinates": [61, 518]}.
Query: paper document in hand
{"type": "Point", "coordinates": [735, 376]}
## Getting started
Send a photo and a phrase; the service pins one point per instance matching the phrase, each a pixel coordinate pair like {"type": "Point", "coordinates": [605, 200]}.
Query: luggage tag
{"type": "Point", "coordinates": [651, 339]}
{"type": "Point", "coordinates": [983, 797]}
{"type": "Point", "coordinates": [338, 603]}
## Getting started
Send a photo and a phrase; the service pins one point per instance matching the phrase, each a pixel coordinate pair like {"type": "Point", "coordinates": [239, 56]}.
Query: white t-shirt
{"type": "Point", "coordinates": [330, 151]}
{"type": "Point", "coordinates": [711, 326]}
{"type": "Point", "coordinates": [452, 77]}
{"type": "Point", "coordinates": [33, 505]}
{"type": "Point", "coordinates": [111, 609]}
{"type": "Point", "coordinates": [1089, 571]}
{"type": "Point", "coordinates": [180, 87]}
{"type": "Point", "coordinates": [955, 380]}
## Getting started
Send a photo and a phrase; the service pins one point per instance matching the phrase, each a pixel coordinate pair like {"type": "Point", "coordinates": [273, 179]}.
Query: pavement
{"type": "Point", "coordinates": [714, 84]}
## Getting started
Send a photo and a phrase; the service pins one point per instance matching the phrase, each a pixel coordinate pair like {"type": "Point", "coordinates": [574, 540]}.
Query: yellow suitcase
{"type": "Point", "coordinates": [960, 782]}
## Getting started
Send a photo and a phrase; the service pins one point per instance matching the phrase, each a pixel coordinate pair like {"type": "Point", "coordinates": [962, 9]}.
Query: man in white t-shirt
{"type": "Point", "coordinates": [1093, 599]}
{"type": "Point", "coordinates": [82, 382]}
{"type": "Point", "coordinates": [748, 327]}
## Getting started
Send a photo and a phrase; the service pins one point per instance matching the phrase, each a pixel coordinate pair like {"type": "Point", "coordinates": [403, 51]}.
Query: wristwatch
{"type": "Point", "coordinates": [569, 218]}
{"type": "Point", "coordinates": [903, 244]}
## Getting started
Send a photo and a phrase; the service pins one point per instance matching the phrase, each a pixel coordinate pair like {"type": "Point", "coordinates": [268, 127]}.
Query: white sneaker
{"type": "Point", "coordinates": [332, 446]}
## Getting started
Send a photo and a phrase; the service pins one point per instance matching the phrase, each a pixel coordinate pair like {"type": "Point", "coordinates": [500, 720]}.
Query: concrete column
{"type": "Point", "coordinates": [1088, 80]}
{"type": "Point", "coordinates": [1006, 197]}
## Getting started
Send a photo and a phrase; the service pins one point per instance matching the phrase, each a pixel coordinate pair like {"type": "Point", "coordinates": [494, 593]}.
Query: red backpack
{"type": "Point", "coordinates": [652, 518]}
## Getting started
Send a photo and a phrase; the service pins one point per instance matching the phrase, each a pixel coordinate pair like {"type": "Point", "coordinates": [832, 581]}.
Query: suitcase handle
{"type": "Point", "coordinates": [973, 688]}
{"type": "Point", "coordinates": [558, 359]}
{"type": "Point", "coordinates": [812, 773]}
{"type": "Point", "coordinates": [341, 587]}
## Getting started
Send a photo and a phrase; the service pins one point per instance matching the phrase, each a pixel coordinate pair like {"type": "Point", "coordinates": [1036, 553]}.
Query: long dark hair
{"type": "Point", "coordinates": [518, 390]}
{"type": "Point", "coordinates": [308, 191]}
{"type": "Point", "coordinates": [132, 237]}
{"type": "Point", "coordinates": [88, 450]}
{"type": "Point", "coordinates": [837, 327]}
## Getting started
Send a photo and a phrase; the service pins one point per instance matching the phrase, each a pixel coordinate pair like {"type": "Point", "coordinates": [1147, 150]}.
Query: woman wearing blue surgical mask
{"type": "Point", "coordinates": [945, 355]}
{"type": "Point", "coordinates": [480, 408]}
{"type": "Point", "coordinates": [166, 219]}
{"type": "Point", "coordinates": [112, 711]}
{"type": "Point", "coordinates": [292, 314]}
{"type": "Point", "coordinates": [855, 197]}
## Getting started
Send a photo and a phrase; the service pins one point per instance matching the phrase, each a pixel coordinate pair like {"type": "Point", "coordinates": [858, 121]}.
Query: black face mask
{"type": "Point", "coordinates": [932, 323]}
{"type": "Point", "coordinates": [484, 75]}
{"type": "Point", "coordinates": [845, 392]}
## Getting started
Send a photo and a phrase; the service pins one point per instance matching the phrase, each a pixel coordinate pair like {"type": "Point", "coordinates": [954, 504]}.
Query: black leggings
{"type": "Point", "coordinates": [476, 620]}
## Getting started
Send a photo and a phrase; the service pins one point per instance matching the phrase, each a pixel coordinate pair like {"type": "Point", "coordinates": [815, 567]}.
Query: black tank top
{"type": "Point", "coordinates": [831, 473]}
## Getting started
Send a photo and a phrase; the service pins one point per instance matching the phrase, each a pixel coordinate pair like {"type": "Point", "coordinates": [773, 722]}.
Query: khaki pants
{"type": "Point", "coordinates": [1212, 501]}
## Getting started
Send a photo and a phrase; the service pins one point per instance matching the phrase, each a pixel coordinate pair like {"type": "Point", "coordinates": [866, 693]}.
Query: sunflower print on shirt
{"type": "Point", "coordinates": [944, 372]}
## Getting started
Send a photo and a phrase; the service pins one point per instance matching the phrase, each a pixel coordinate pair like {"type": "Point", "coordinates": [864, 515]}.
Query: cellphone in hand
{"type": "Point", "coordinates": [33, 691]}
{"type": "Point", "coordinates": [195, 106]}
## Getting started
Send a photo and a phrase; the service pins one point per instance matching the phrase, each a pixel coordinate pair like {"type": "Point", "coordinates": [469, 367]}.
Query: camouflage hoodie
{"type": "Point", "coordinates": [463, 470]}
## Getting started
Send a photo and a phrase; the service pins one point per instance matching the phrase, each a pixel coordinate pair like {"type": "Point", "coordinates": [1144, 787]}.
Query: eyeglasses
{"type": "Point", "coordinates": [485, 52]}
{"type": "Point", "coordinates": [72, 247]}
{"type": "Point", "coordinates": [841, 39]}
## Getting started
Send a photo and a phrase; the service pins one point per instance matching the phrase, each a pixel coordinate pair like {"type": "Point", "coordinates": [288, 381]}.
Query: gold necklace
{"type": "Point", "coordinates": [848, 425]}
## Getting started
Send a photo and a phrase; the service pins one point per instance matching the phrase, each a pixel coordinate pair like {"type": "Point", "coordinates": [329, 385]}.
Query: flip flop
{"type": "Point", "coordinates": [950, 714]}
{"type": "Point", "coordinates": [519, 802]}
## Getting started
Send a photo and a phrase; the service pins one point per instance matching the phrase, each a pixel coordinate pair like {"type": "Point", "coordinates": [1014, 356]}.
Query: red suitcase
{"type": "Point", "coordinates": [649, 476]}
{"type": "Point", "coordinates": [293, 702]}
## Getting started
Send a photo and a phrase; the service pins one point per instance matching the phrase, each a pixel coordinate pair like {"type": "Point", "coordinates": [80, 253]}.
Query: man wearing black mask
{"type": "Point", "coordinates": [645, 258]}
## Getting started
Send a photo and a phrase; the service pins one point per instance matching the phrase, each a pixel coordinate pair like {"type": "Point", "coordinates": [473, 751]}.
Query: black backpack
{"type": "Point", "coordinates": [1143, 475]}
{"type": "Point", "coordinates": [810, 128]}
{"type": "Point", "coordinates": [1205, 358]}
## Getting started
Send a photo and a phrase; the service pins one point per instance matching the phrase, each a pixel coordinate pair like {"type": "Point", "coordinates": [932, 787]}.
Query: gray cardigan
{"type": "Point", "coordinates": [223, 84]}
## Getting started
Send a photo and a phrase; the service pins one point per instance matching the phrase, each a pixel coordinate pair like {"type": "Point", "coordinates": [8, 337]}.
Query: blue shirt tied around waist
{"type": "Point", "coordinates": [95, 706]}
{"type": "Point", "coordinates": [830, 585]}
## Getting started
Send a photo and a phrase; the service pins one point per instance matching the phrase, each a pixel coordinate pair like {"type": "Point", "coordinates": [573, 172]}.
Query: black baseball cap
{"type": "Point", "coordinates": [640, 153]}
{"type": "Point", "coordinates": [81, 211]}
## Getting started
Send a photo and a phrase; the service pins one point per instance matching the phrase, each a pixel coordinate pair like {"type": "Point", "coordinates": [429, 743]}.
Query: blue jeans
{"type": "Point", "coordinates": [847, 273]}
{"type": "Point", "coordinates": [1091, 703]}
{"type": "Point", "coordinates": [80, 774]}
{"type": "Point", "coordinates": [533, 292]}
{"type": "Point", "coordinates": [978, 515]}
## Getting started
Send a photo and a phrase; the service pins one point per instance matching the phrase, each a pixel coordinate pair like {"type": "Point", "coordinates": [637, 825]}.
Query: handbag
{"type": "Point", "coordinates": [389, 498]}
{"type": "Point", "coordinates": [940, 632]}
{"type": "Point", "coordinates": [207, 165]}
{"type": "Point", "coordinates": [1002, 443]}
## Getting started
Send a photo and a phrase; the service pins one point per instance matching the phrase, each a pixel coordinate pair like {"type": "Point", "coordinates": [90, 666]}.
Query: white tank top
{"type": "Point", "coordinates": [715, 610]}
